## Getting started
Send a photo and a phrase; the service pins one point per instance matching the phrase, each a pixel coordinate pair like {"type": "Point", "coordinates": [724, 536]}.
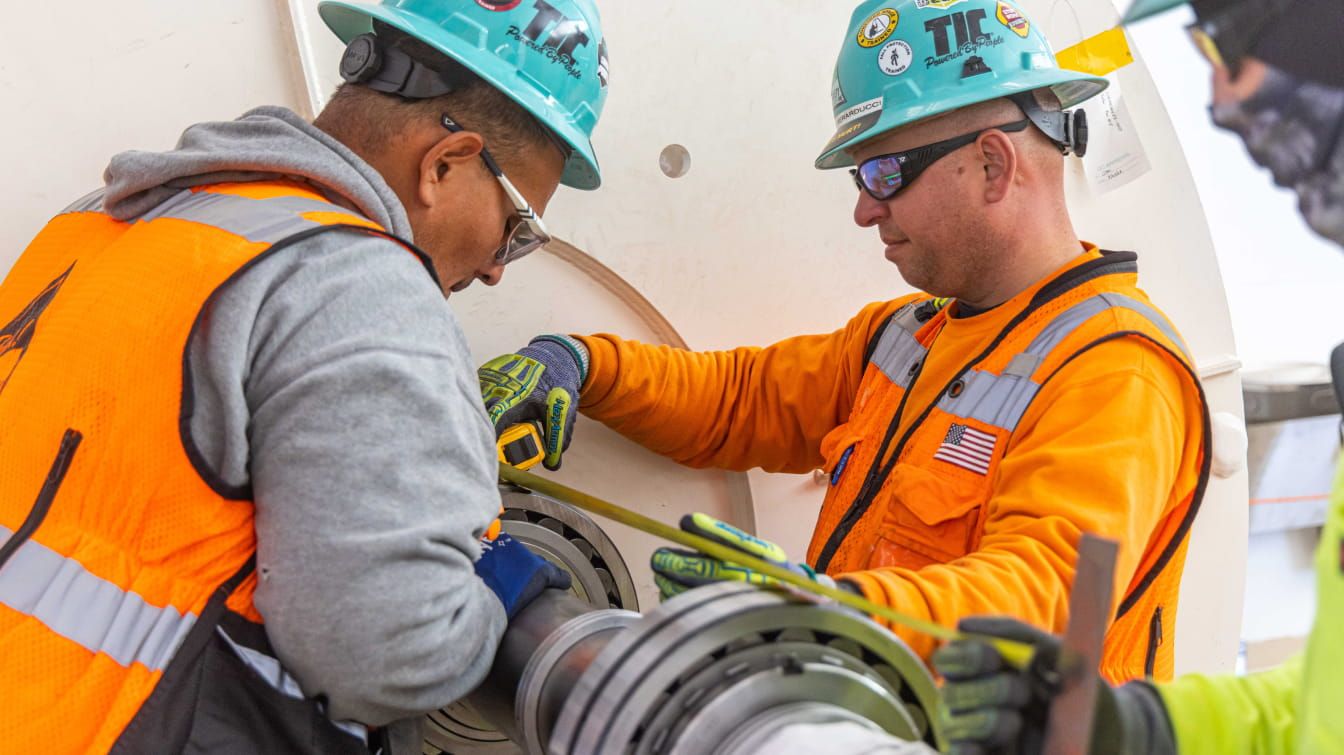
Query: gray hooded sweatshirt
{"type": "Point", "coordinates": [333, 379]}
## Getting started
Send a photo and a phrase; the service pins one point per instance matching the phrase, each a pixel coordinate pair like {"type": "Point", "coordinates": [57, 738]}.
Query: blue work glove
{"type": "Point", "coordinates": [539, 384]}
{"type": "Point", "coordinates": [516, 574]}
{"type": "Point", "coordinates": [676, 571]}
{"type": "Point", "coordinates": [992, 708]}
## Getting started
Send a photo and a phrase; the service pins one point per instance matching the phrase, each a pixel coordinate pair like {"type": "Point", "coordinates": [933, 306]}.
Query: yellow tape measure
{"type": "Point", "coordinates": [1017, 653]}
{"type": "Point", "coordinates": [520, 446]}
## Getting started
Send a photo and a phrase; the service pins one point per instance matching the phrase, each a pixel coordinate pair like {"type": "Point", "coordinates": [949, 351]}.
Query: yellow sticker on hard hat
{"type": "Point", "coordinates": [878, 27]}
{"type": "Point", "coordinates": [1099, 54]}
{"type": "Point", "coordinates": [1013, 19]}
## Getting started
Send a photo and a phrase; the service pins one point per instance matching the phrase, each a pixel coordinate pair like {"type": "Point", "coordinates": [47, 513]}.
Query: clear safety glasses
{"type": "Point", "coordinates": [527, 233]}
{"type": "Point", "coordinates": [885, 175]}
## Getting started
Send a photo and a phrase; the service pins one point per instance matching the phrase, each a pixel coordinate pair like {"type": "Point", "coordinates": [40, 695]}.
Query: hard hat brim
{"type": "Point", "coordinates": [348, 20]}
{"type": "Point", "coordinates": [1141, 9]}
{"type": "Point", "coordinates": [1071, 87]}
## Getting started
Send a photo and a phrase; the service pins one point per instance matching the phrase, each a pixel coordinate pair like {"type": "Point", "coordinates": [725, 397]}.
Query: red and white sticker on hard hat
{"type": "Point", "coordinates": [1013, 19]}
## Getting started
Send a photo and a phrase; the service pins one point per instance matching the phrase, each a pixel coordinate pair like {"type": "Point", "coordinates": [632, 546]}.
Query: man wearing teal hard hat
{"type": "Point", "coordinates": [248, 480]}
{"type": "Point", "coordinates": [968, 434]}
{"type": "Point", "coordinates": [1278, 82]}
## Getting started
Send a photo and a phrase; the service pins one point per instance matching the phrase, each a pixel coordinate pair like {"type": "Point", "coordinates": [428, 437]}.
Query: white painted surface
{"type": "Point", "coordinates": [750, 246]}
{"type": "Point", "coordinates": [85, 82]}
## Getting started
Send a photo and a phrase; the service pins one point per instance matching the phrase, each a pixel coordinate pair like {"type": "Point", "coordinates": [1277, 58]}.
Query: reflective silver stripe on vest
{"type": "Point", "coordinates": [897, 351]}
{"type": "Point", "coordinates": [91, 202]}
{"type": "Point", "coordinates": [1001, 400]}
{"type": "Point", "coordinates": [87, 609]}
{"type": "Point", "coordinates": [275, 675]}
{"type": "Point", "coordinates": [257, 220]}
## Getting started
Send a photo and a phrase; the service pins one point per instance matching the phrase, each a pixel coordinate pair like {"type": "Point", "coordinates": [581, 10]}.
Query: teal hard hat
{"type": "Point", "coordinates": [907, 60]}
{"type": "Point", "coordinates": [1141, 9]}
{"type": "Point", "coordinates": [549, 56]}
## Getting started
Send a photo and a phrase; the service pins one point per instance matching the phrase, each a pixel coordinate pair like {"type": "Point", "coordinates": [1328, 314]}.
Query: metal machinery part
{"type": "Point", "coordinates": [569, 539]}
{"type": "Point", "coordinates": [717, 669]}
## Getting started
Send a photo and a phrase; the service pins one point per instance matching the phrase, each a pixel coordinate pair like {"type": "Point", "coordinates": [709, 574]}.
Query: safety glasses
{"type": "Point", "coordinates": [527, 234]}
{"type": "Point", "coordinates": [885, 175]}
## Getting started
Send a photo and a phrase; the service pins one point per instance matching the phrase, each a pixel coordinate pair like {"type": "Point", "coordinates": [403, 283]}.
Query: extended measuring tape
{"type": "Point", "coordinates": [1017, 653]}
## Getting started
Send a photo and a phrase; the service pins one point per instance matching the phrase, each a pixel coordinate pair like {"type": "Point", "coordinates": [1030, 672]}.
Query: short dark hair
{"type": "Point", "coordinates": [368, 120]}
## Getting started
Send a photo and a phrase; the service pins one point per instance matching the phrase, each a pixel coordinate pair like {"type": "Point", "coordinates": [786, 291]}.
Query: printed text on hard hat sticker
{"type": "Point", "coordinates": [895, 57]}
{"type": "Point", "coordinates": [878, 27]}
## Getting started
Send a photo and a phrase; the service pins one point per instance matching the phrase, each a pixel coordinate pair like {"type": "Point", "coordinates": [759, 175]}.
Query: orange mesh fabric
{"type": "Point", "coordinates": [104, 357]}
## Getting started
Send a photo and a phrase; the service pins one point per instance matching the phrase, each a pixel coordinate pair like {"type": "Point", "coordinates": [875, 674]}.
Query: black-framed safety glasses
{"type": "Point", "coordinates": [528, 233]}
{"type": "Point", "coordinates": [885, 175]}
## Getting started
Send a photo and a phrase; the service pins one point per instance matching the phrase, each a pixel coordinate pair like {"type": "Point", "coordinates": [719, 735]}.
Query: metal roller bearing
{"type": "Point", "coordinates": [621, 703]}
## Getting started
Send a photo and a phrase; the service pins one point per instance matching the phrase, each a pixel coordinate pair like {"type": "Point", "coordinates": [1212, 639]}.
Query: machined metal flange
{"type": "Point", "coordinates": [729, 653]}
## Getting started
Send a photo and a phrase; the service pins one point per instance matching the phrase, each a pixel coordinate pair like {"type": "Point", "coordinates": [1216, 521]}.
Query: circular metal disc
{"type": "Point", "coordinates": [633, 676]}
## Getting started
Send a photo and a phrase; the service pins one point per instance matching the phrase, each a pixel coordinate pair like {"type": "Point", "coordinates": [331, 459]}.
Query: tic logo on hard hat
{"type": "Point", "coordinates": [549, 56]}
{"type": "Point", "coordinates": [554, 35]}
{"type": "Point", "coordinates": [906, 60]}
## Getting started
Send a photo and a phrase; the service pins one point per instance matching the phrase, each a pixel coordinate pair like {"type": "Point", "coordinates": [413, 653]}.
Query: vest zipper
{"type": "Point", "coordinates": [1154, 642]}
{"type": "Point", "coordinates": [69, 442]}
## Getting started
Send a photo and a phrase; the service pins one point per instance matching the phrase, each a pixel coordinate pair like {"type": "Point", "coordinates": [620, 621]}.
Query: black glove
{"type": "Point", "coordinates": [995, 709]}
{"type": "Point", "coordinates": [539, 384]}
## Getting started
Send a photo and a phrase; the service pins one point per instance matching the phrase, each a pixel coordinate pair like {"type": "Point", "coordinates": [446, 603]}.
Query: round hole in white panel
{"type": "Point", "coordinates": [675, 161]}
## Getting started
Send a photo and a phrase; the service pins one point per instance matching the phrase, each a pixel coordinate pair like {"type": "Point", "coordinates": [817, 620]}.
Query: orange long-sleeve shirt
{"type": "Point", "coordinates": [1110, 445]}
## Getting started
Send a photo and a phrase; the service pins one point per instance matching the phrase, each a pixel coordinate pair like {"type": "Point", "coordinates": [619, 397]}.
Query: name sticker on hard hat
{"type": "Point", "coordinates": [878, 27]}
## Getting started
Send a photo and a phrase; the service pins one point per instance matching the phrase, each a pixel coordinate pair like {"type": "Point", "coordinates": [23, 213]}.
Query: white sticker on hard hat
{"type": "Point", "coordinates": [1115, 155]}
{"type": "Point", "coordinates": [842, 119]}
{"type": "Point", "coordinates": [878, 27]}
{"type": "Point", "coordinates": [895, 57]}
{"type": "Point", "coordinates": [939, 4]}
{"type": "Point", "coordinates": [837, 94]}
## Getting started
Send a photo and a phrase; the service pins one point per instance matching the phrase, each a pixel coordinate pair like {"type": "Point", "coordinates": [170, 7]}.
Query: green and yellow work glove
{"type": "Point", "coordinates": [676, 571]}
{"type": "Point", "coordinates": [538, 384]}
{"type": "Point", "coordinates": [993, 708]}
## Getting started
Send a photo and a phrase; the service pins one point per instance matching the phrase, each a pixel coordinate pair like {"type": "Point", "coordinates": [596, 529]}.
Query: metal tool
{"type": "Point", "coordinates": [1072, 711]}
{"type": "Point", "coordinates": [1017, 653]}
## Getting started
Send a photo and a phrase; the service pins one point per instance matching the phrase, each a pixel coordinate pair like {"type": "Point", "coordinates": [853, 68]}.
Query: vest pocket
{"type": "Point", "coordinates": [927, 517]}
{"type": "Point", "coordinates": [64, 456]}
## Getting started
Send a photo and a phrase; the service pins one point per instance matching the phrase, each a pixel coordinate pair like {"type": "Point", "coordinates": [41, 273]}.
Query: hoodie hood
{"type": "Point", "coordinates": [264, 144]}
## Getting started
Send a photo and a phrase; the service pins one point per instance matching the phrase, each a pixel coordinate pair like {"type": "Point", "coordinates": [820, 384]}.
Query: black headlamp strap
{"type": "Point", "coordinates": [386, 68]}
{"type": "Point", "coordinates": [1066, 128]}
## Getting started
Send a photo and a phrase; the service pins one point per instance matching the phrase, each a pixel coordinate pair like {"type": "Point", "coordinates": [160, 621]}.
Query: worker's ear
{"type": "Point", "coordinates": [998, 156]}
{"type": "Point", "coordinates": [447, 167]}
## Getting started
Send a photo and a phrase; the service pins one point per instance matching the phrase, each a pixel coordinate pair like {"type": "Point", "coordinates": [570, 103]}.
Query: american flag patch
{"type": "Point", "coordinates": [968, 448]}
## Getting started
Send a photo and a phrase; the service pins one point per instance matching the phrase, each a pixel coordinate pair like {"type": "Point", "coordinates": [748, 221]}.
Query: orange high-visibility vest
{"type": "Point", "coordinates": [916, 478]}
{"type": "Point", "coordinates": [126, 582]}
